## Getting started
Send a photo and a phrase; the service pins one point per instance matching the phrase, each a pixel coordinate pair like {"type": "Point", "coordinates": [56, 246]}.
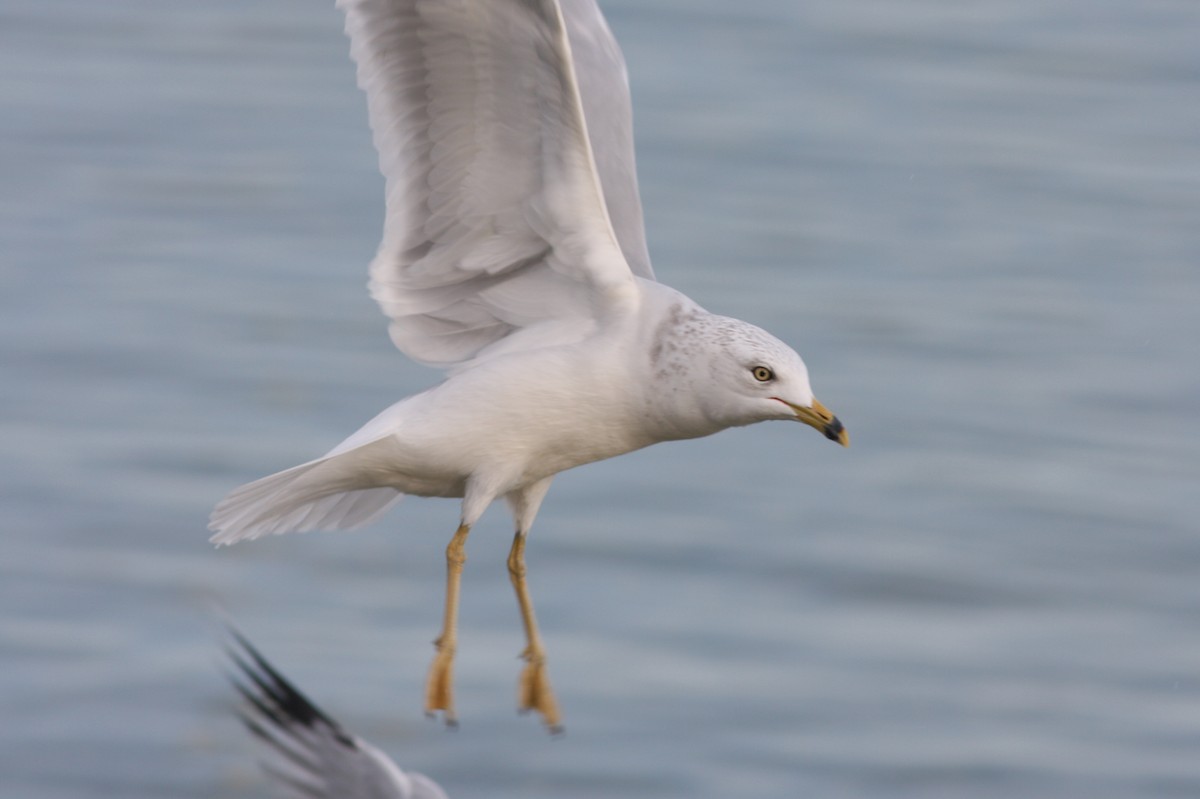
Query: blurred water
{"type": "Point", "coordinates": [978, 222]}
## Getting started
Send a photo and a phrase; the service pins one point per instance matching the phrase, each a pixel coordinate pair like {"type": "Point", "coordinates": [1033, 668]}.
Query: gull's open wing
{"type": "Point", "coordinates": [311, 755]}
{"type": "Point", "coordinates": [604, 87]}
{"type": "Point", "coordinates": [496, 218]}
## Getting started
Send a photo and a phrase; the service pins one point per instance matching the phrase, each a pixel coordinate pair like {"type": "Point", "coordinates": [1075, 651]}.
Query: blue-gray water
{"type": "Point", "coordinates": [979, 222]}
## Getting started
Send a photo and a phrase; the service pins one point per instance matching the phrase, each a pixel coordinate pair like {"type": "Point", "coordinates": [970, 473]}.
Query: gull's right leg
{"type": "Point", "coordinates": [439, 686]}
{"type": "Point", "coordinates": [533, 690]}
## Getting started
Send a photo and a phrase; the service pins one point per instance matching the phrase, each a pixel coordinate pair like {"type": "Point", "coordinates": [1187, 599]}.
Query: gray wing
{"type": "Point", "coordinates": [604, 88]}
{"type": "Point", "coordinates": [310, 755]}
{"type": "Point", "coordinates": [496, 220]}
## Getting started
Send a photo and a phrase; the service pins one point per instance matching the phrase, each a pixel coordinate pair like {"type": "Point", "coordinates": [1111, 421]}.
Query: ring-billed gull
{"type": "Point", "coordinates": [514, 256]}
{"type": "Point", "coordinates": [311, 755]}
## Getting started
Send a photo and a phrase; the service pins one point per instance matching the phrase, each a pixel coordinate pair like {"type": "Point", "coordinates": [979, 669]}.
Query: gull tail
{"type": "Point", "coordinates": [325, 494]}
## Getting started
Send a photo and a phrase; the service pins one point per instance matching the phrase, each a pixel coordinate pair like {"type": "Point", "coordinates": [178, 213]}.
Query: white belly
{"type": "Point", "coordinates": [531, 419]}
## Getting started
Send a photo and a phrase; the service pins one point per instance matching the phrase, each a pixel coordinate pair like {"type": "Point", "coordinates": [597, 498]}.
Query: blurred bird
{"type": "Point", "coordinates": [514, 255]}
{"type": "Point", "coordinates": [309, 754]}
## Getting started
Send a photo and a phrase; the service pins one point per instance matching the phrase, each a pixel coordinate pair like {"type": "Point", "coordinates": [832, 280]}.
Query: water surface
{"type": "Point", "coordinates": [978, 222]}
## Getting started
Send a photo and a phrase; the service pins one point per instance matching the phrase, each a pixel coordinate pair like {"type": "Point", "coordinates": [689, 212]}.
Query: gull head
{"type": "Point", "coordinates": [759, 378]}
{"type": "Point", "coordinates": [732, 373]}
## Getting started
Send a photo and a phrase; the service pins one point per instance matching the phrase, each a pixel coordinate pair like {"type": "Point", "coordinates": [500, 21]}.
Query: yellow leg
{"type": "Point", "coordinates": [533, 692]}
{"type": "Point", "coordinates": [439, 686]}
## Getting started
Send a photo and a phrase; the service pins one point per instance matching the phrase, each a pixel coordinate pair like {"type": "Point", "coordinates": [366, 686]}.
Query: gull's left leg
{"type": "Point", "coordinates": [534, 691]}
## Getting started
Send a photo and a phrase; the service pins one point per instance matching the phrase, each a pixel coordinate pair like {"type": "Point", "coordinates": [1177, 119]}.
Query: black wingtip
{"type": "Point", "coordinates": [276, 698]}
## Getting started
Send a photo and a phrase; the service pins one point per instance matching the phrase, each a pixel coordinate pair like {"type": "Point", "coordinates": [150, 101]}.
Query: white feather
{"type": "Point", "coordinates": [491, 176]}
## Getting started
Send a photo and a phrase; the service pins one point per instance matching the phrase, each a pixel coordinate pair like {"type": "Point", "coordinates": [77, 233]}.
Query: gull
{"type": "Point", "coordinates": [514, 257]}
{"type": "Point", "coordinates": [311, 755]}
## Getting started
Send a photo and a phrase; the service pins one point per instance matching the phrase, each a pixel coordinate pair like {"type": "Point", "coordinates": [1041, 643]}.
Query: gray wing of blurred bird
{"type": "Point", "coordinates": [311, 755]}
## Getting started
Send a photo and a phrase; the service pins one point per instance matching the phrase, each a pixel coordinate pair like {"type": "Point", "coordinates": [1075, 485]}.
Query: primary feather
{"type": "Point", "coordinates": [309, 754]}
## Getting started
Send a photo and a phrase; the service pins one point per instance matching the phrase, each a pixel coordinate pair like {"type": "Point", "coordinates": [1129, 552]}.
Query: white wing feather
{"type": "Point", "coordinates": [604, 89]}
{"type": "Point", "coordinates": [496, 217]}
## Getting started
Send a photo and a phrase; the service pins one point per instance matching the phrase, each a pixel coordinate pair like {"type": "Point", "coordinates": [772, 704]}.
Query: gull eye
{"type": "Point", "coordinates": [762, 374]}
